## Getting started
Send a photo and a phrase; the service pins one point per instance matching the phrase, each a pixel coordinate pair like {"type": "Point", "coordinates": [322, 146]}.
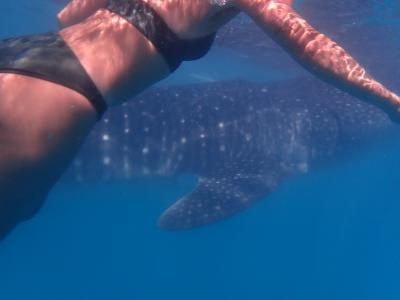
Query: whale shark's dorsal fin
{"type": "Point", "coordinates": [216, 198]}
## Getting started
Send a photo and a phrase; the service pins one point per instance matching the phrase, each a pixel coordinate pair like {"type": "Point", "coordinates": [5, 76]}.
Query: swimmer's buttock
{"type": "Point", "coordinates": [48, 57]}
{"type": "Point", "coordinates": [174, 49]}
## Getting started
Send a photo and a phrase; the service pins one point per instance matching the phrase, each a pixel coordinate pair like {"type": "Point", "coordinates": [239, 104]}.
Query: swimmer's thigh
{"type": "Point", "coordinates": [42, 126]}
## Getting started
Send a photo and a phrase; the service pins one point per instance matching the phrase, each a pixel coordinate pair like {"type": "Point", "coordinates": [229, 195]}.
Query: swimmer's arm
{"type": "Point", "coordinates": [78, 10]}
{"type": "Point", "coordinates": [317, 53]}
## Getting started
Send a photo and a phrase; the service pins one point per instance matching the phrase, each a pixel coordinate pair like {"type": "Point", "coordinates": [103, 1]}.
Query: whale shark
{"type": "Point", "coordinates": [241, 139]}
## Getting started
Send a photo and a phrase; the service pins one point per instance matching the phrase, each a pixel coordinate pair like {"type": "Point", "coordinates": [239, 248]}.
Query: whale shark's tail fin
{"type": "Point", "coordinates": [216, 198]}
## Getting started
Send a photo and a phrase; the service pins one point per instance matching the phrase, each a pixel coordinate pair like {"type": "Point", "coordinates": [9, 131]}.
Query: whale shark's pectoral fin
{"type": "Point", "coordinates": [214, 199]}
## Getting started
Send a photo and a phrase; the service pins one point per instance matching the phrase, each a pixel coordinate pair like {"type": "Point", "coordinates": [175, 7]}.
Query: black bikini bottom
{"type": "Point", "coordinates": [48, 57]}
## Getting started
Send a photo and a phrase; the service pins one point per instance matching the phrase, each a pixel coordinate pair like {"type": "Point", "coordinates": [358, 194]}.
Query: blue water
{"type": "Point", "coordinates": [331, 234]}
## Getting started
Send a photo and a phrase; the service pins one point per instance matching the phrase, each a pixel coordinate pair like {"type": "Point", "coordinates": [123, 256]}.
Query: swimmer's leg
{"type": "Point", "coordinates": [42, 127]}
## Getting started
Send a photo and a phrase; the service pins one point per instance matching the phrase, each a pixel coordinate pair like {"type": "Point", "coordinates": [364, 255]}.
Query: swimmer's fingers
{"type": "Point", "coordinates": [394, 114]}
{"type": "Point", "coordinates": [384, 99]}
{"type": "Point", "coordinates": [78, 10]}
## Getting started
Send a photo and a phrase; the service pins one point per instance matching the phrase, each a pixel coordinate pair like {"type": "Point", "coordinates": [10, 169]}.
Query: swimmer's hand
{"type": "Point", "coordinates": [319, 54]}
{"type": "Point", "coordinates": [78, 10]}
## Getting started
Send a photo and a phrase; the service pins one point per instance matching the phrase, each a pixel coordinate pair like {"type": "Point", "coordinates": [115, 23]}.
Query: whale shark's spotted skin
{"type": "Point", "coordinates": [241, 139]}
